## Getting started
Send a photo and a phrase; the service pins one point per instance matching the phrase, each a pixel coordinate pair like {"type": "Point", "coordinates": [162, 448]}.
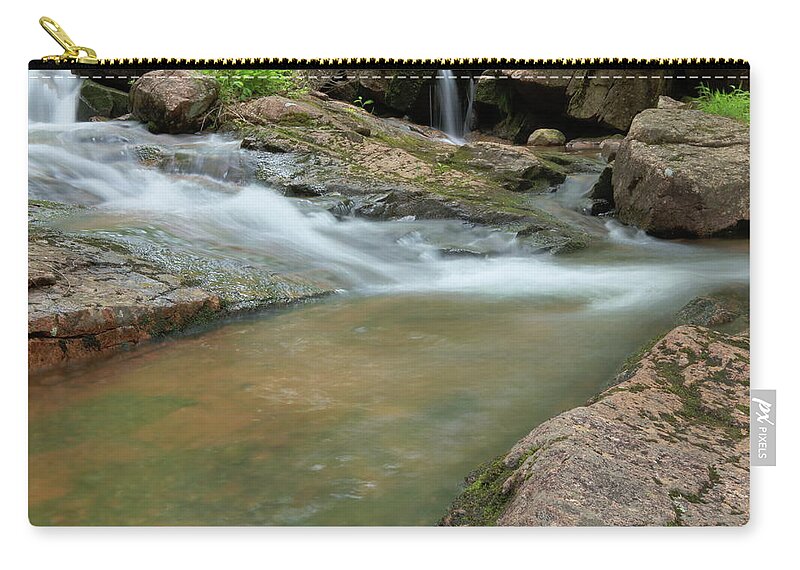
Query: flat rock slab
{"type": "Point", "coordinates": [666, 446]}
{"type": "Point", "coordinates": [90, 296]}
{"type": "Point", "coordinates": [97, 303]}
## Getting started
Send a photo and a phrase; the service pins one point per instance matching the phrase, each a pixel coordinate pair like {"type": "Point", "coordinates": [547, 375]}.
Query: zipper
{"type": "Point", "coordinates": [77, 57]}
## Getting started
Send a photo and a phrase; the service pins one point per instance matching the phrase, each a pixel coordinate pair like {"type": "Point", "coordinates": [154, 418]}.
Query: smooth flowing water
{"type": "Point", "coordinates": [453, 116]}
{"type": "Point", "coordinates": [366, 408]}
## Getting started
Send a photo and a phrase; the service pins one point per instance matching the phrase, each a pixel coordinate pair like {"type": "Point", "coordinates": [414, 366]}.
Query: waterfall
{"type": "Point", "coordinates": [53, 96]}
{"type": "Point", "coordinates": [453, 117]}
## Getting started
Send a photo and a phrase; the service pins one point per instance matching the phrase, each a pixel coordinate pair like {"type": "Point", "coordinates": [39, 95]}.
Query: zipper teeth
{"type": "Point", "coordinates": [369, 62]}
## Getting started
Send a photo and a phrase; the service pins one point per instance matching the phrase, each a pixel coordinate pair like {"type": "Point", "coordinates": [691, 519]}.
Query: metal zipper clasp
{"type": "Point", "coordinates": [72, 52]}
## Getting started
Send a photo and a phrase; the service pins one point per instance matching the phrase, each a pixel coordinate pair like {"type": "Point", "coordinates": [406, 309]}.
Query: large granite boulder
{"type": "Point", "coordinates": [173, 101]}
{"type": "Point", "coordinates": [684, 173]}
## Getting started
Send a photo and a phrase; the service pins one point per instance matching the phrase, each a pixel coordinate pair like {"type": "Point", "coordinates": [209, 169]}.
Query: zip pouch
{"type": "Point", "coordinates": [387, 292]}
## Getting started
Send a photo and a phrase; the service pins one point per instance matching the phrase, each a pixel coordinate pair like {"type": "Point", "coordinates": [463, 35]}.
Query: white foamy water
{"type": "Point", "coordinates": [207, 202]}
{"type": "Point", "coordinates": [53, 96]}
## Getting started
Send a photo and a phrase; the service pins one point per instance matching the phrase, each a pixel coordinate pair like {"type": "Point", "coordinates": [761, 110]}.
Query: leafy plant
{"type": "Point", "coordinates": [360, 102]}
{"type": "Point", "coordinates": [734, 103]}
{"type": "Point", "coordinates": [243, 84]}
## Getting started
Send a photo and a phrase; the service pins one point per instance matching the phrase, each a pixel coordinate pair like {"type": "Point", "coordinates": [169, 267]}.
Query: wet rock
{"type": "Point", "coordinates": [723, 310]}
{"type": "Point", "coordinates": [667, 446]}
{"type": "Point", "coordinates": [173, 101]}
{"type": "Point", "coordinates": [602, 189]}
{"type": "Point", "coordinates": [547, 137]}
{"type": "Point", "coordinates": [516, 168]}
{"type": "Point", "coordinates": [91, 295]}
{"type": "Point", "coordinates": [398, 204]}
{"type": "Point", "coordinates": [150, 155]}
{"type": "Point", "coordinates": [420, 174]}
{"type": "Point", "coordinates": [684, 173]}
{"type": "Point", "coordinates": [97, 100]}
{"type": "Point", "coordinates": [599, 207]}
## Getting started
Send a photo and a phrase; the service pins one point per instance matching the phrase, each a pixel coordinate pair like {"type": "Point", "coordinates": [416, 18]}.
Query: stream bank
{"type": "Point", "coordinates": [666, 445]}
{"type": "Point", "coordinates": [502, 303]}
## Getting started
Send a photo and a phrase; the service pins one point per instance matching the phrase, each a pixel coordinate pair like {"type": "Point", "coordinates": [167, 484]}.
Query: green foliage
{"type": "Point", "coordinates": [360, 102]}
{"type": "Point", "coordinates": [734, 103]}
{"type": "Point", "coordinates": [243, 84]}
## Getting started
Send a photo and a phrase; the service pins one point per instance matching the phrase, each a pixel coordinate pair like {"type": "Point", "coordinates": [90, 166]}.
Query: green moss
{"type": "Point", "coordinates": [693, 409]}
{"type": "Point", "coordinates": [694, 498]}
{"type": "Point", "coordinates": [631, 365]}
{"type": "Point", "coordinates": [297, 120]}
{"type": "Point", "coordinates": [482, 502]}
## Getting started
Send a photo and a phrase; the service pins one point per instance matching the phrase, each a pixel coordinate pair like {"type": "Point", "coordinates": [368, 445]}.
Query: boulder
{"type": "Point", "coordinates": [547, 137]}
{"type": "Point", "coordinates": [667, 445]}
{"type": "Point", "coordinates": [97, 100]}
{"type": "Point", "coordinates": [684, 173]}
{"type": "Point", "coordinates": [173, 101]}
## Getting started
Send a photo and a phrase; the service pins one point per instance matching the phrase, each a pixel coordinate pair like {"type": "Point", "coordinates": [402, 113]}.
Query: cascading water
{"type": "Point", "coordinates": [452, 116]}
{"type": "Point", "coordinates": [97, 164]}
{"type": "Point", "coordinates": [53, 97]}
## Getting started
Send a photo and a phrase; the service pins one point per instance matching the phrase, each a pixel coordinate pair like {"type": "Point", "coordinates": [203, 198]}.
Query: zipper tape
{"type": "Point", "coordinates": [390, 63]}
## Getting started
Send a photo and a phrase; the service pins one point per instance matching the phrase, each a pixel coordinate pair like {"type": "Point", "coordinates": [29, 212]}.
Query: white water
{"type": "Point", "coordinates": [196, 208]}
{"type": "Point", "coordinates": [53, 96]}
{"type": "Point", "coordinates": [452, 117]}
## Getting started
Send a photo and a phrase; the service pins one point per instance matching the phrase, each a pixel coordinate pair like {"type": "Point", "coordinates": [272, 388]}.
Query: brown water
{"type": "Point", "coordinates": [352, 411]}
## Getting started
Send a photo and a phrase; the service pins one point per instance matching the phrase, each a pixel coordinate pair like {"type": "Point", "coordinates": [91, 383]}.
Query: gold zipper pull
{"type": "Point", "coordinates": [72, 53]}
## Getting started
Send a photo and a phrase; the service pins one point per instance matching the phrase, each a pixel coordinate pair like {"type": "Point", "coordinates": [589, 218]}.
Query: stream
{"type": "Point", "coordinates": [444, 344]}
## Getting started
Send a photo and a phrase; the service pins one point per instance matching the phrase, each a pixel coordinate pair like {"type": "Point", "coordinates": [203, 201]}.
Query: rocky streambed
{"type": "Point", "coordinates": [140, 230]}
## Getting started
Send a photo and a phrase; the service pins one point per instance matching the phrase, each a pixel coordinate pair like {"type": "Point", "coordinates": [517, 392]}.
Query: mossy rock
{"type": "Point", "coordinates": [100, 101]}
